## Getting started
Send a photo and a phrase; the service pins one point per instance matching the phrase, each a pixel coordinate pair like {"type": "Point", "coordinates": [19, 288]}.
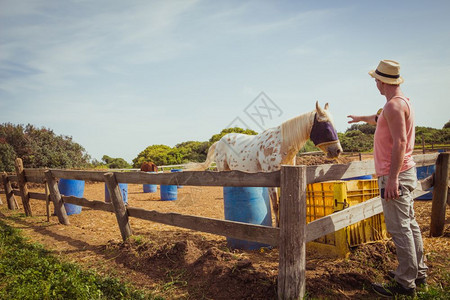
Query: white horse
{"type": "Point", "coordinates": [273, 147]}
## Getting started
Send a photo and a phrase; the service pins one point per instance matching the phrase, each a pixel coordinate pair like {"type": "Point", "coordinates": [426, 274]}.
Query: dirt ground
{"type": "Point", "coordinates": [182, 264]}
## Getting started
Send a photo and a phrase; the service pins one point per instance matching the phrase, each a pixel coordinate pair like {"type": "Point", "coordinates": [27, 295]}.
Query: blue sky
{"type": "Point", "coordinates": [119, 76]}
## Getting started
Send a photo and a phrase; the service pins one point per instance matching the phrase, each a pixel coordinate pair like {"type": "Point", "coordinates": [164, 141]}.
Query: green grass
{"type": "Point", "coordinates": [28, 271]}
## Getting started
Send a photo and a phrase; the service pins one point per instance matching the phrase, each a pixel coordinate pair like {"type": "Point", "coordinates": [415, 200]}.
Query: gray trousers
{"type": "Point", "coordinates": [402, 225]}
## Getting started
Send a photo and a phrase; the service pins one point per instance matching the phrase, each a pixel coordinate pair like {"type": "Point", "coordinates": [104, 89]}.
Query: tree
{"type": "Point", "coordinates": [158, 154]}
{"type": "Point", "coordinates": [447, 125]}
{"type": "Point", "coordinates": [39, 148]}
{"type": "Point", "coordinates": [7, 157]}
{"type": "Point", "coordinates": [309, 147]}
{"type": "Point", "coordinates": [193, 151]}
{"type": "Point", "coordinates": [225, 131]}
{"type": "Point", "coordinates": [52, 151]}
{"type": "Point", "coordinates": [356, 141]}
{"type": "Point", "coordinates": [115, 163]}
{"type": "Point", "coordinates": [364, 128]}
{"type": "Point", "coordinates": [14, 135]}
{"type": "Point", "coordinates": [357, 138]}
{"type": "Point", "coordinates": [430, 135]}
{"type": "Point", "coordinates": [190, 151]}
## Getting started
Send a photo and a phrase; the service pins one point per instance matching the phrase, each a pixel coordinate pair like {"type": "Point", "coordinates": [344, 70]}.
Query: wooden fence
{"type": "Point", "coordinates": [293, 233]}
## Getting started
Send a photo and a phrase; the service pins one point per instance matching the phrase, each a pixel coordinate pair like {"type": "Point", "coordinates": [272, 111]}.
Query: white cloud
{"type": "Point", "coordinates": [60, 48]}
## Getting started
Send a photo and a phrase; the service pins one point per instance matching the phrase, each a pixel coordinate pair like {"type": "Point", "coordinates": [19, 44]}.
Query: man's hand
{"type": "Point", "coordinates": [391, 190]}
{"type": "Point", "coordinates": [354, 119]}
{"type": "Point", "coordinates": [368, 119]}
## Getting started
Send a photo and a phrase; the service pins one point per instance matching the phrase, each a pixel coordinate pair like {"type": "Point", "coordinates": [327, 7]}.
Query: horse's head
{"type": "Point", "coordinates": [323, 133]}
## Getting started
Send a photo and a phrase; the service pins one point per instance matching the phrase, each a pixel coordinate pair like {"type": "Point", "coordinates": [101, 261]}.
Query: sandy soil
{"type": "Point", "coordinates": [183, 264]}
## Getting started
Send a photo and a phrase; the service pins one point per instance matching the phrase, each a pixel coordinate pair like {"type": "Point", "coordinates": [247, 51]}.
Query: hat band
{"type": "Point", "coordinates": [387, 75]}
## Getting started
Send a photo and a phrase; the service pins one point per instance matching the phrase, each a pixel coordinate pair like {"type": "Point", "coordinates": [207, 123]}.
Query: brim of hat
{"type": "Point", "coordinates": [386, 79]}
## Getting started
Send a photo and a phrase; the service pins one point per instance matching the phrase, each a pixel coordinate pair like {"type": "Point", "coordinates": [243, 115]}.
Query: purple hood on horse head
{"type": "Point", "coordinates": [323, 132]}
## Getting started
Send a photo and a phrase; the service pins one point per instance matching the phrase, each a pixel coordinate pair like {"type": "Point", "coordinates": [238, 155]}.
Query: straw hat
{"type": "Point", "coordinates": [388, 71]}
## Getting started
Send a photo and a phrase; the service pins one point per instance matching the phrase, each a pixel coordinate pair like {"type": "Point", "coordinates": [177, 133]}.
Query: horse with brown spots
{"type": "Point", "coordinates": [276, 146]}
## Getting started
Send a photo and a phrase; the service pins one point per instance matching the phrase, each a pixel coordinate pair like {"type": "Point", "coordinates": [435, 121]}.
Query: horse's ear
{"type": "Point", "coordinates": [319, 109]}
{"type": "Point", "coordinates": [326, 106]}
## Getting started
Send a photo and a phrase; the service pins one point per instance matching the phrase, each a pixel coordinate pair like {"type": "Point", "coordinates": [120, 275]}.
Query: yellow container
{"type": "Point", "coordinates": [324, 198]}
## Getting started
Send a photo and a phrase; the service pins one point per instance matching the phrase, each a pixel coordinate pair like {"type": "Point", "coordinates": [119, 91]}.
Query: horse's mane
{"type": "Point", "coordinates": [295, 132]}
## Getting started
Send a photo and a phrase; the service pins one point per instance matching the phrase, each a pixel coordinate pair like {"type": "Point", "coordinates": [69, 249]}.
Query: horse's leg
{"type": "Point", "coordinates": [274, 199]}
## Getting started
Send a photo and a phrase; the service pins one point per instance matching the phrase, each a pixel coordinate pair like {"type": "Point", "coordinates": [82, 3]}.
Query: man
{"type": "Point", "coordinates": [395, 168]}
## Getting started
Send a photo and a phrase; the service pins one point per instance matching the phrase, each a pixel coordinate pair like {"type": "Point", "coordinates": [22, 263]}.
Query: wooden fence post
{"type": "Point", "coordinates": [10, 199]}
{"type": "Point", "coordinates": [423, 144]}
{"type": "Point", "coordinates": [60, 210]}
{"type": "Point", "coordinates": [47, 201]}
{"type": "Point", "coordinates": [440, 193]}
{"type": "Point", "coordinates": [119, 206]}
{"type": "Point", "coordinates": [292, 247]}
{"type": "Point", "coordinates": [23, 187]}
{"type": "Point", "coordinates": [448, 195]}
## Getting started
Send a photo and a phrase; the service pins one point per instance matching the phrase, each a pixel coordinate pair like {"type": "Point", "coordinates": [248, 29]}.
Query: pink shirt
{"type": "Point", "coordinates": [383, 143]}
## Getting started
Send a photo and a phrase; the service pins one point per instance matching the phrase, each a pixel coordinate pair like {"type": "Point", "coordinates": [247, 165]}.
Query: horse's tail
{"type": "Point", "coordinates": [204, 165]}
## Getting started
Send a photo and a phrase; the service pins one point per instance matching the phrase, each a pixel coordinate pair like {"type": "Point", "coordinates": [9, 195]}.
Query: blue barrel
{"type": "Point", "coordinates": [358, 177]}
{"type": "Point", "coordinates": [422, 173]}
{"type": "Point", "coordinates": [177, 170]}
{"type": "Point", "coordinates": [123, 189]}
{"type": "Point", "coordinates": [150, 188]}
{"type": "Point", "coordinates": [169, 192]}
{"type": "Point", "coordinates": [248, 205]}
{"type": "Point", "coordinates": [71, 187]}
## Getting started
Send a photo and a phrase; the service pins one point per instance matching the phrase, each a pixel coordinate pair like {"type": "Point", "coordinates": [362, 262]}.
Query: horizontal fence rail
{"type": "Point", "coordinates": [94, 204]}
{"type": "Point", "coordinates": [238, 230]}
{"type": "Point", "coordinates": [317, 173]}
{"type": "Point", "coordinates": [207, 178]}
{"type": "Point", "coordinates": [329, 172]}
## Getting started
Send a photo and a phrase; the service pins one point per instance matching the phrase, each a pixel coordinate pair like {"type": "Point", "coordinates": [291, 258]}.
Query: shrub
{"type": "Point", "coordinates": [39, 148]}
{"type": "Point", "coordinates": [115, 163]}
